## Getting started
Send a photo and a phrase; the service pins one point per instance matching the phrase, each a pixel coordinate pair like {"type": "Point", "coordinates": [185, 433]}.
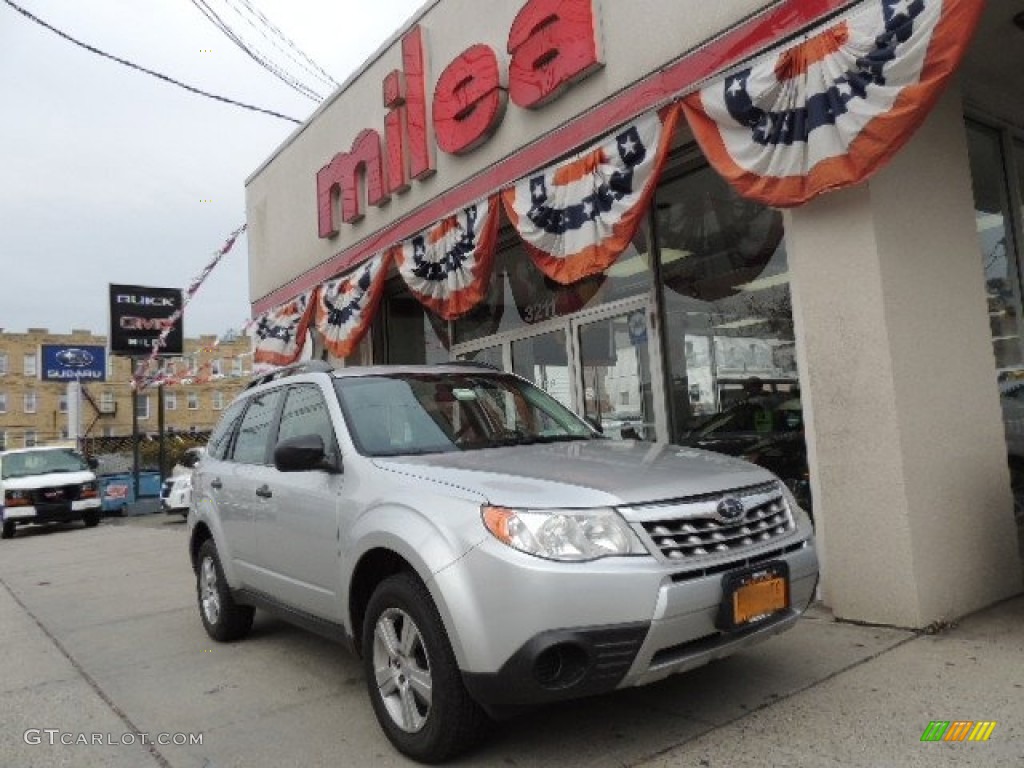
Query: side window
{"type": "Point", "coordinates": [254, 430]}
{"type": "Point", "coordinates": [217, 446]}
{"type": "Point", "coordinates": [305, 413]}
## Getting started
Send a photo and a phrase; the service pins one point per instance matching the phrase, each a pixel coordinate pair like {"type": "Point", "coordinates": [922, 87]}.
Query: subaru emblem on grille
{"type": "Point", "coordinates": [730, 509]}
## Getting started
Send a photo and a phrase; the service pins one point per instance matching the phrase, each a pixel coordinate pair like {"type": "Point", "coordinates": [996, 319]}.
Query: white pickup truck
{"type": "Point", "coordinates": [47, 485]}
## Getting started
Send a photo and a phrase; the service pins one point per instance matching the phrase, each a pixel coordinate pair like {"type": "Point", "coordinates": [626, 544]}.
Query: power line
{"type": "Point", "coordinates": [165, 78]}
{"type": "Point", "coordinates": [263, 61]}
{"type": "Point", "coordinates": [304, 61]}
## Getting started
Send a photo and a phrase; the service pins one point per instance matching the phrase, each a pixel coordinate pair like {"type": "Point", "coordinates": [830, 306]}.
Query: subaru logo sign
{"type": "Point", "coordinates": [73, 357]}
{"type": "Point", "coordinates": [730, 509]}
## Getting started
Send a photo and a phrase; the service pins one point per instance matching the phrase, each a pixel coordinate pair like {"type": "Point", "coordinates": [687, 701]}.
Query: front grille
{"type": "Point", "coordinates": [692, 528]}
{"type": "Point", "coordinates": [57, 495]}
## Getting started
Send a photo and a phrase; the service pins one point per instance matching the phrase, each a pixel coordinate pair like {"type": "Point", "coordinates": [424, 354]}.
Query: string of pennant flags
{"type": "Point", "coordinates": [818, 113]}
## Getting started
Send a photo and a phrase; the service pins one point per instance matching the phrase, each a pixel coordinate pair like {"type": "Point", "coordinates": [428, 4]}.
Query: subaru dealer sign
{"type": "Point", "coordinates": [64, 362]}
{"type": "Point", "coordinates": [139, 315]}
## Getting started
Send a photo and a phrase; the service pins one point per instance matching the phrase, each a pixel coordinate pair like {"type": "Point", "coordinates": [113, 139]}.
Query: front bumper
{"type": "Point", "coordinates": [63, 512]}
{"type": "Point", "coordinates": [529, 631]}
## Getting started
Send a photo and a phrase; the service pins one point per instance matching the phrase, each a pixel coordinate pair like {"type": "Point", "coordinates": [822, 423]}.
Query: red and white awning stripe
{"type": "Point", "coordinates": [345, 305]}
{"type": "Point", "coordinates": [448, 267]}
{"type": "Point", "coordinates": [280, 334]}
{"type": "Point", "coordinates": [576, 217]}
{"type": "Point", "coordinates": [829, 111]}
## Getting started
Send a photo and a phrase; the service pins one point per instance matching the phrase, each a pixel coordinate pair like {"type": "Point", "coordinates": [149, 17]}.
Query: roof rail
{"type": "Point", "coordinates": [307, 366]}
{"type": "Point", "coordinates": [471, 364]}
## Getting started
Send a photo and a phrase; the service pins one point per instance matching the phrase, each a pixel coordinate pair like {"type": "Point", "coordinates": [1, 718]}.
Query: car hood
{"type": "Point", "coordinates": [48, 480]}
{"type": "Point", "coordinates": [582, 474]}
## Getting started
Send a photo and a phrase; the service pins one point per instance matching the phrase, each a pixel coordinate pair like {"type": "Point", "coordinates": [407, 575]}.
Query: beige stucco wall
{"type": "Point", "coordinates": [639, 37]}
{"type": "Point", "coordinates": [905, 436]}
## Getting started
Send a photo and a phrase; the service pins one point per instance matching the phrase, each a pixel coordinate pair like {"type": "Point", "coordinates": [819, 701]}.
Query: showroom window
{"type": "Point", "coordinates": [725, 291]}
{"type": "Point", "coordinates": [410, 333]}
{"type": "Point", "coordinates": [992, 178]}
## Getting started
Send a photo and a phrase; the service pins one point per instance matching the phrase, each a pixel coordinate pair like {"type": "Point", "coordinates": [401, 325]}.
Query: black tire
{"type": "Point", "coordinates": [450, 722]}
{"type": "Point", "coordinates": [224, 619]}
{"type": "Point", "coordinates": [91, 519]}
{"type": "Point", "coordinates": [8, 532]}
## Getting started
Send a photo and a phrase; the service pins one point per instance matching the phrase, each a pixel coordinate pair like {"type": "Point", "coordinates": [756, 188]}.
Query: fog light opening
{"type": "Point", "coordinates": [560, 666]}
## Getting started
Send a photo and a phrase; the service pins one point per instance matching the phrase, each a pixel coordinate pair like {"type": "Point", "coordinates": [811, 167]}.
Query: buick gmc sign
{"type": "Point", "coordinates": [63, 362]}
{"type": "Point", "coordinates": [138, 315]}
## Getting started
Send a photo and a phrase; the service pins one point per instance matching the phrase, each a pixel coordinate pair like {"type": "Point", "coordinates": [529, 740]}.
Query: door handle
{"type": "Point", "coordinates": [216, 484]}
{"type": "Point", "coordinates": [264, 492]}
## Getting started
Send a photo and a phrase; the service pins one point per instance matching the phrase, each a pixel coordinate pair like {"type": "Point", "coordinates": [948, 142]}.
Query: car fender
{"type": "Point", "coordinates": [428, 547]}
{"type": "Point", "coordinates": [197, 515]}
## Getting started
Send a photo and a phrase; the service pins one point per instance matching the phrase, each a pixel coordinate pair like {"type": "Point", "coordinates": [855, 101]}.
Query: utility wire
{"type": "Point", "coordinates": [157, 75]}
{"type": "Point", "coordinates": [304, 61]}
{"type": "Point", "coordinates": [264, 62]}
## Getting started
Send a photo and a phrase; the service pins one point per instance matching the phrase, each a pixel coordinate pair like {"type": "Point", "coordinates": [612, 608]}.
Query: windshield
{"type": "Point", "coordinates": [411, 413]}
{"type": "Point", "coordinates": [31, 463]}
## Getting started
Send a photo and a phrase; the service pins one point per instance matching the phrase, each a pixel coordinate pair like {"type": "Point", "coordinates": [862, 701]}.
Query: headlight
{"type": "Point", "coordinates": [90, 490]}
{"type": "Point", "coordinates": [18, 499]}
{"type": "Point", "coordinates": [563, 534]}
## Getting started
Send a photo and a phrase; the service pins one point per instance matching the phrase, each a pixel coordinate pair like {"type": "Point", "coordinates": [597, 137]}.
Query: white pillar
{"type": "Point", "coordinates": [905, 436]}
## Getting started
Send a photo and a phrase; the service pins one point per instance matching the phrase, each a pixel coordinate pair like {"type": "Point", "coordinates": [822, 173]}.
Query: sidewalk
{"type": "Point", "coordinates": [98, 634]}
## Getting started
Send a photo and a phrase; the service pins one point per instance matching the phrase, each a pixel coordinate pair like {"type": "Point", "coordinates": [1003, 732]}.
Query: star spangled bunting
{"type": "Point", "coordinates": [448, 266]}
{"type": "Point", "coordinates": [280, 334]}
{"type": "Point", "coordinates": [829, 111]}
{"type": "Point", "coordinates": [345, 305]}
{"type": "Point", "coordinates": [576, 217]}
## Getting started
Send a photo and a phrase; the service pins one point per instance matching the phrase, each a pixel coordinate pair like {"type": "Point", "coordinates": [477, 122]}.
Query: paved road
{"type": "Point", "coordinates": [99, 635]}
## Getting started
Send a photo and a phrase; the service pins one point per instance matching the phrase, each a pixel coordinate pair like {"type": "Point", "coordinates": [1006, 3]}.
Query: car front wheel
{"type": "Point", "coordinates": [413, 680]}
{"type": "Point", "coordinates": [224, 619]}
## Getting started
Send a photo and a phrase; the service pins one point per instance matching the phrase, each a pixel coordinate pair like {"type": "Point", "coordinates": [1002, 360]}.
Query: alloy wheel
{"type": "Point", "coordinates": [402, 670]}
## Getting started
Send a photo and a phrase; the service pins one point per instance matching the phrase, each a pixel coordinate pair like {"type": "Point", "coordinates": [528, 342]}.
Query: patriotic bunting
{"type": "Point", "coordinates": [576, 217]}
{"type": "Point", "coordinates": [448, 267]}
{"type": "Point", "coordinates": [831, 110]}
{"type": "Point", "coordinates": [281, 332]}
{"type": "Point", "coordinates": [345, 305]}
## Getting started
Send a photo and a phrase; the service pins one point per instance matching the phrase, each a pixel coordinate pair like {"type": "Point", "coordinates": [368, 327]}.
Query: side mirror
{"type": "Point", "coordinates": [304, 453]}
{"type": "Point", "coordinates": [92, 462]}
{"type": "Point", "coordinates": [595, 423]}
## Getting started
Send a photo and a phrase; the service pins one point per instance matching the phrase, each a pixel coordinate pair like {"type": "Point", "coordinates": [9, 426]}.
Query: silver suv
{"type": "Point", "coordinates": [481, 547]}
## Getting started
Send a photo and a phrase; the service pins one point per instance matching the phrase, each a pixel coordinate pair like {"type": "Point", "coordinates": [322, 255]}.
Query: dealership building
{"type": "Point", "coordinates": [653, 209]}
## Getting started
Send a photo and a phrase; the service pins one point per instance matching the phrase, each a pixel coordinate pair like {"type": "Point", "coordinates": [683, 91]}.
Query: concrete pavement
{"type": "Point", "coordinates": [99, 637]}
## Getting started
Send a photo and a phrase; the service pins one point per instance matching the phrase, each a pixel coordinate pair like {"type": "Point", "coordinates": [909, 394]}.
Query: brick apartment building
{"type": "Point", "coordinates": [33, 411]}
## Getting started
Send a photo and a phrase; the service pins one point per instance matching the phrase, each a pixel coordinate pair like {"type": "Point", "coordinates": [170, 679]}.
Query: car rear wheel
{"type": "Point", "coordinates": [224, 619]}
{"type": "Point", "coordinates": [413, 680]}
{"type": "Point", "coordinates": [8, 532]}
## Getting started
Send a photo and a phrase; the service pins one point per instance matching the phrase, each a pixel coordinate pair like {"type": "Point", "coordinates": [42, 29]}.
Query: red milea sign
{"type": "Point", "coordinates": [552, 44]}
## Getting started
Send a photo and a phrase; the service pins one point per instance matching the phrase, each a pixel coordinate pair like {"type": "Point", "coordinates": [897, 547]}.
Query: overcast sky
{"type": "Point", "coordinates": [112, 176]}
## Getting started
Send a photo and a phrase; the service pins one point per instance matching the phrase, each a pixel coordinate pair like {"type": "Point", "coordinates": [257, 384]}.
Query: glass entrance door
{"type": "Point", "coordinates": [616, 385]}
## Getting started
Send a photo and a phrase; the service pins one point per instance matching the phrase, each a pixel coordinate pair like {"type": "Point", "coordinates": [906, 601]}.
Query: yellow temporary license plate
{"type": "Point", "coordinates": [753, 594]}
{"type": "Point", "coordinates": [759, 598]}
